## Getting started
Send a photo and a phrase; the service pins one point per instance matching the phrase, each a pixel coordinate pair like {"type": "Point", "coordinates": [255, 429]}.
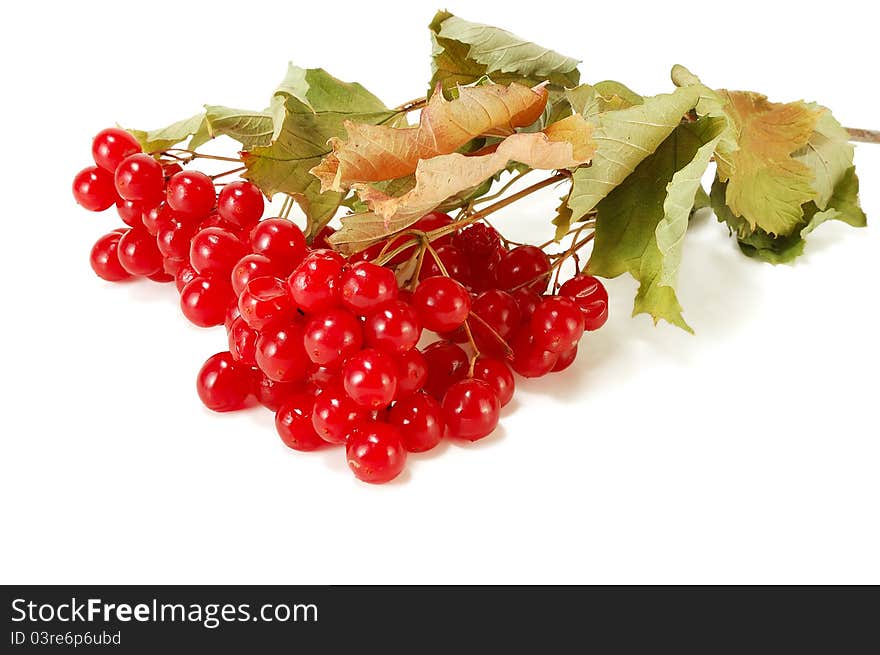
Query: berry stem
{"type": "Point", "coordinates": [862, 135]}
{"type": "Point", "coordinates": [229, 172]}
{"type": "Point", "coordinates": [411, 105]}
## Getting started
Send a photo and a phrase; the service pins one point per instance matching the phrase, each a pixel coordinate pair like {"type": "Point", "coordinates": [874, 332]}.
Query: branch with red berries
{"type": "Point", "coordinates": [396, 314]}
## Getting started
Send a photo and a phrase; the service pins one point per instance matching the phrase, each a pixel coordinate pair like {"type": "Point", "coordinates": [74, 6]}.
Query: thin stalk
{"type": "Point", "coordinates": [862, 135]}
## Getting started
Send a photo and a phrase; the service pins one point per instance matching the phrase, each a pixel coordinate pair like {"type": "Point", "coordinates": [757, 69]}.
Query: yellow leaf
{"type": "Point", "coordinates": [378, 152]}
{"type": "Point", "coordinates": [564, 144]}
{"type": "Point", "coordinates": [766, 186]}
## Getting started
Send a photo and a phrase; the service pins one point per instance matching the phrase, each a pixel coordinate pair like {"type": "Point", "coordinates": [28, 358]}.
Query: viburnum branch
{"type": "Point", "coordinates": [192, 154]}
{"type": "Point", "coordinates": [230, 172]}
{"type": "Point", "coordinates": [513, 180]}
{"type": "Point", "coordinates": [508, 351]}
{"type": "Point", "coordinates": [862, 135]}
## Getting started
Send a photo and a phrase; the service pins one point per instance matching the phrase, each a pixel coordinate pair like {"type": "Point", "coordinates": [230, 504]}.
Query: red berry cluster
{"type": "Point", "coordinates": [330, 343]}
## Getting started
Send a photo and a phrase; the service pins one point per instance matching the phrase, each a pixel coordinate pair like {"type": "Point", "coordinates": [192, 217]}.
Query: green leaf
{"type": "Point", "coordinates": [170, 136]}
{"type": "Point", "coordinates": [624, 138]}
{"type": "Point", "coordinates": [463, 52]}
{"type": "Point", "coordinates": [562, 220]}
{"type": "Point", "coordinates": [249, 128]}
{"type": "Point", "coordinates": [828, 153]}
{"type": "Point", "coordinates": [640, 224]}
{"type": "Point", "coordinates": [843, 205]}
{"type": "Point", "coordinates": [309, 107]}
{"type": "Point", "coordinates": [590, 100]}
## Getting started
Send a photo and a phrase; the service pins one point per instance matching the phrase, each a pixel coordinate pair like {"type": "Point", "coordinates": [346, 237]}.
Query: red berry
{"type": "Point", "coordinates": [243, 342]}
{"type": "Point", "coordinates": [590, 296]}
{"type": "Point", "coordinates": [173, 238]}
{"type": "Point", "coordinates": [477, 241]}
{"type": "Point", "coordinates": [171, 265]}
{"type": "Point", "coordinates": [191, 193]}
{"type": "Point", "coordinates": [213, 220]}
{"type": "Point", "coordinates": [157, 217]}
{"type": "Point", "coordinates": [161, 276]}
{"type": "Point", "coordinates": [314, 285]}
{"type": "Point", "coordinates": [93, 189]}
{"type": "Point", "coordinates": [222, 384]}
{"type": "Point", "coordinates": [335, 414]}
{"type": "Point", "coordinates": [483, 269]}
{"type": "Point", "coordinates": [130, 211]}
{"type": "Point", "coordinates": [265, 300]}
{"type": "Point", "coordinates": [279, 240]}
{"type": "Point", "coordinates": [140, 177]}
{"type": "Point", "coordinates": [332, 336]}
{"type": "Point", "coordinates": [441, 303]}
{"type": "Point", "coordinates": [497, 316]}
{"type": "Point", "coordinates": [447, 364]}
{"type": "Point", "coordinates": [204, 299]}
{"type": "Point", "coordinates": [419, 419]}
{"type": "Point", "coordinates": [565, 359]}
{"type": "Point", "coordinates": [556, 325]}
{"type": "Point", "coordinates": [394, 328]}
{"type": "Point", "coordinates": [375, 452]}
{"type": "Point", "coordinates": [104, 258]}
{"type": "Point", "coordinates": [280, 352]}
{"type": "Point", "coordinates": [321, 376]}
{"type": "Point", "coordinates": [454, 261]}
{"type": "Point", "coordinates": [527, 301]}
{"type": "Point", "coordinates": [185, 274]}
{"type": "Point", "coordinates": [412, 371]}
{"type": "Point", "coordinates": [271, 394]}
{"type": "Point", "coordinates": [426, 223]}
{"type": "Point", "coordinates": [529, 360]}
{"type": "Point", "coordinates": [526, 266]}
{"type": "Point", "coordinates": [241, 202]}
{"type": "Point", "coordinates": [370, 379]}
{"type": "Point", "coordinates": [293, 421]}
{"type": "Point", "coordinates": [138, 253]}
{"type": "Point", "coordinates": [250, 267]}
{"type": "Point", "coordinates": [322, 238]}
{"type": "Point", "coordinates": [366, 287]}
{"type": "Point", "coordinates": [498, 376]}
{"type": "Point", "coordinates": [214, 250]}
{"type": "Point", "coordinates": [110, 146]}
{"type": "Point", "coordinates": [470, 409]}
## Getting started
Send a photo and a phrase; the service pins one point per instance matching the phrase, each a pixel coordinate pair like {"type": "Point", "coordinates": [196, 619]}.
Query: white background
{"type": "Point", "coordinates": [747, 453]}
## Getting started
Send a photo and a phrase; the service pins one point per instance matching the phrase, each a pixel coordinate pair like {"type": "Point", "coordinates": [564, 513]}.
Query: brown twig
{"type": "Point", "coordinates": [863, 136]}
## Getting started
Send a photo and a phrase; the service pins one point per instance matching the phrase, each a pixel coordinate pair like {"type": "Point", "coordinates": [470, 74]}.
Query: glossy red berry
{"type": "Point", "coordinates": [157, 217]}
{"type": "Point", "coordinates": [557, 324]}
{"type": "Point", "coordinates": [332, 336]}
{"type": "Point", "coordinates": [243, 342]}
{"type": "Point", "coordinates": [498, 376]}
{"type": "Point", "coordinates": [250, 267]}
{"type": "Point", "coordinates": [191, 193]}
{"type": "Point", "coordinates": [470, 409]}
{"type": "Point", "coordinates": [375, 452]}
{"type": "Point", "coordinates": [184, 275]}
{"type": "Point", "coordinates": [419, 419]}
{"type": "Point", "coordinates": [442, 304]}
{"type": "Point", "coordinates": [214, 250]}
{"type": "Point", "coordinates": [590, 296]}
{"type": "Point", "coordinates": [370, 379]}
{"type": "Point", "coordinates": [171, 265]}
{"type": "Point", "coordinates": [104, 258]}
{"type": "Point", "coordinates": [280, 352]}
{"type": "Point", "coordinates": [162, 277]}
{"type": "Point", "coordinates": [222, 384]}
{"type": "Point", "coordinates": [241, 202]}
{"type": "Point", "coordinates": [279, 240]}
{"type": "Point", "coordinates": [529, 360]}
{"type": "Point", "coordinates": [447, 364]}
{"type": "Point", "coordinates": [265, 300]}
{"type": "Point", "coordinates": [93, 189]}
{"type": "Point", "coordinates": [527, 301]}
{"type": "Point", "coordinates": [482, 274]}
{"type": "Point", "coordinates": [173, 238]}
{"type": "Point", "coordinates": [494, 316]}
{"type": "Point", "coordinates": [454, 261]}
{"type": "Point", "coordinates": [335, 414]}
{"type": "Point", "coordinates": [204, 299]}
{"type": "Point", "coordinates": [314, 285]}
{"type": "Point", "coordinates": [129, 211]}
{"type": "Point", "coordinates": [394, 328]}
{"type": "Point", "coordinates": [412, 371]}
{"type": "Point", "coordinates": [477, 241]}
{"type": "Point", "coordinates": [526, 266]}
{"type": "Point", "coordinates": [428, 222]}
{"type": "Point", "coordinates": [140, 177]}
{"type": "Point", "coordinates": [110, 146]}
{"type": "Point", "coordinates": [365, 287]}
{"type": "Point", "coordinates": [565, 359]}
{"type": "Point", "coordinates": [322, 238]}
{"type": "Point", "coordinates": [271, 394]}
{"type": "Point", "coordinates": [293, 421]}
{"type": "Point", "coordinates": [138, 253]}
